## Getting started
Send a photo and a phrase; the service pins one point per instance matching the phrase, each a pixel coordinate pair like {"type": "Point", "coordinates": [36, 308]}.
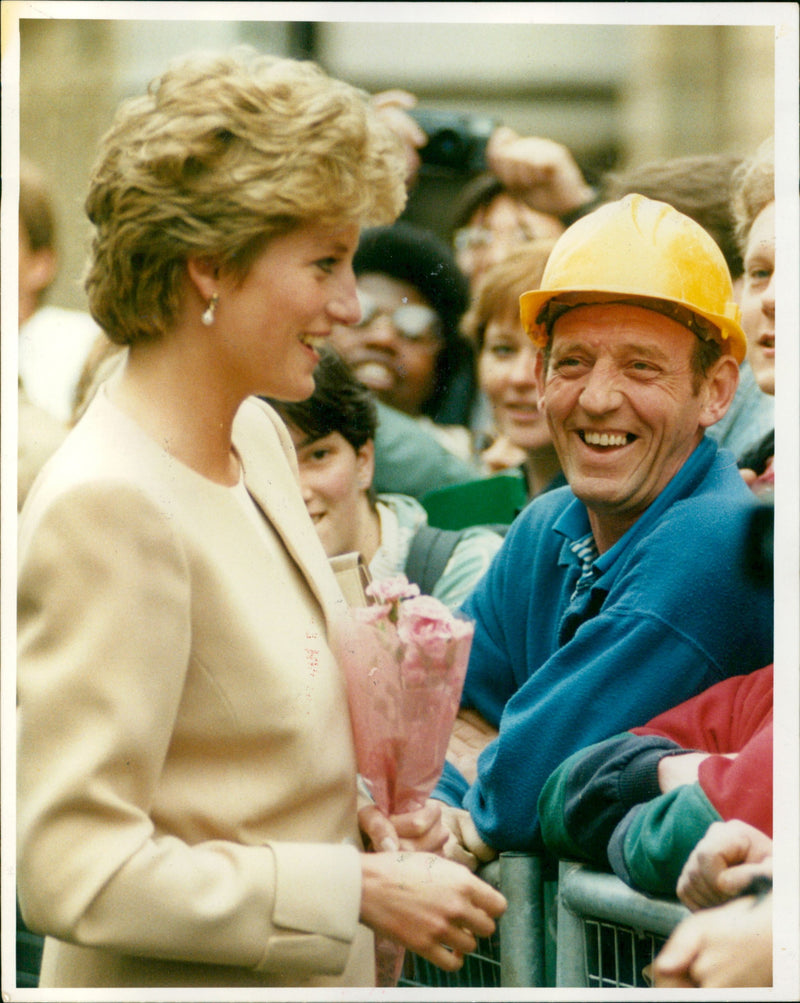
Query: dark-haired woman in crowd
{"type": "Point", "coordinates": [407, 347]}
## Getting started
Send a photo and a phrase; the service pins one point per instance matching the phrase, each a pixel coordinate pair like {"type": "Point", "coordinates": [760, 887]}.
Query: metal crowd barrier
{"type": "Point", "coordinates": [608, 934]}
{"type": "Point", "coordinates": [566, 926]}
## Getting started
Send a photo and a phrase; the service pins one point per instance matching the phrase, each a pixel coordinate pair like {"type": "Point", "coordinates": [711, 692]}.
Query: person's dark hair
{"type": "Point", "coordinates": [698, 186]}
{"type": "Point", "coordinates": [418, 257]}
{"type": "Point", "coordinates": [340, 403]}
{"type": "Point", "coordinates": [481, 191]}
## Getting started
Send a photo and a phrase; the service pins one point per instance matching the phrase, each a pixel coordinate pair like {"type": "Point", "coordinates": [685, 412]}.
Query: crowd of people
{"type": "Point", "coordinates": [276, 369]}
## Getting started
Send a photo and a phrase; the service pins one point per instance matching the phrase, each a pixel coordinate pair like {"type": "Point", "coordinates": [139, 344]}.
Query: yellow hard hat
{"type": "Point", "coordinates": [640, 250]}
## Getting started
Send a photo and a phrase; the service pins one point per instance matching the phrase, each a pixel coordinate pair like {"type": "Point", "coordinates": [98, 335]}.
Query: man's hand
{"type": "Point", "coordinates": [540, 171]}
{"type": "Point", "coordinates": [393, 107]}
{"type": "Point", "coordinates": [726, 947]}
{"type": "Point", "coordinates": [723, 864]}
{"type": "Point", "coordinates": [464, 845]}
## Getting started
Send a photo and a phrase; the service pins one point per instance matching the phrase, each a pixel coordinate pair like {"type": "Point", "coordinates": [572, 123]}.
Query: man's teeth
{"type": "Point", "coordinates": [604, 439]}
{"type": "Point", "coordinates": [313, 341]}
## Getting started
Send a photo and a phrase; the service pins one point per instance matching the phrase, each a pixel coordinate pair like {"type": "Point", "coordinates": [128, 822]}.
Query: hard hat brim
{"type": "Point", "coordinates": [533, 302]}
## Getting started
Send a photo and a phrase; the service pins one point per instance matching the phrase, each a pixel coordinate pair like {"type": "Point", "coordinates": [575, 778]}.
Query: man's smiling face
{"type": "Point", "coordinates": [619, 395]}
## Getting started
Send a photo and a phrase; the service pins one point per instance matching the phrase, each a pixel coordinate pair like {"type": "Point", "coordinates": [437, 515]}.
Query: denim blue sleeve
{"type": "Point", "coordinates": [604, 681]}
{"type": "Point", "coordinates": [451, 787]}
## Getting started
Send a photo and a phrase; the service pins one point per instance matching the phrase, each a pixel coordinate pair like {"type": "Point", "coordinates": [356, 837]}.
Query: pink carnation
{"type": "Point", "coordinates": [429, 634]}
{"type": "Point", "coordinates": [374, 613]}
{"type": "Point", "coordinates": [391, 590]}
{"type": "Point", "coordinates": [424, 620]}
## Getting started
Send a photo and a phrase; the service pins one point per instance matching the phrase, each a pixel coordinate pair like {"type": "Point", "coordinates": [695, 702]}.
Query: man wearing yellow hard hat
{"type": "Point", "coordinates": [627, 592]}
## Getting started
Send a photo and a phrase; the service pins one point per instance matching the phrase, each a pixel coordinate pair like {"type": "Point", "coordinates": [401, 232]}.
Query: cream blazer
{"type": "Point", "coordinates": [186, 773]}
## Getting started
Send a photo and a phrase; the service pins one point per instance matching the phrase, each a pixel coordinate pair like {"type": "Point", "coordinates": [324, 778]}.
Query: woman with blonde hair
{"type": "Point", "coordinates": [192, 820]}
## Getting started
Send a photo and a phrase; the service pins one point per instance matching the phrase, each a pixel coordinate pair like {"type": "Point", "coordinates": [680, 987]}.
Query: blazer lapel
{"type": "Point", "coordinates": [264, 448]}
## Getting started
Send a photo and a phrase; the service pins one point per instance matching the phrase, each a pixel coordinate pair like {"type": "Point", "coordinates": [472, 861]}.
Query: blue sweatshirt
{"type": "Point", "coordinates": [672, 610]}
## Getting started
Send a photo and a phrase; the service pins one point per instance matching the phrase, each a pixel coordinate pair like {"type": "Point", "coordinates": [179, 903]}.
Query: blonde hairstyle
{"type": "Point", "coordinates": [223, 153]}
{"type": "Point", "coordinates": [502, 285]}
{"type": "Point", "coordinates": [753, 188]}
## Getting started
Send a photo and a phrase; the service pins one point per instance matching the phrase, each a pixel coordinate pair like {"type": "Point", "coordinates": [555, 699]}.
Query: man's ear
{"type": "Point", "coordinates": [719, 388]}
{"type": "Point", "coordinates": [203, 273]}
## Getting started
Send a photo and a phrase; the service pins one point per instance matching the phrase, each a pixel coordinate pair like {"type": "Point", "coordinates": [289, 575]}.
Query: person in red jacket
{"type": "Point", "coordinates": [640, 801]}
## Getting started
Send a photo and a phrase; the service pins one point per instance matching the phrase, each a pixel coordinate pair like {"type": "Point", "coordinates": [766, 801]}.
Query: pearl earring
{"type": "Point", "coordinates": [207, 316]}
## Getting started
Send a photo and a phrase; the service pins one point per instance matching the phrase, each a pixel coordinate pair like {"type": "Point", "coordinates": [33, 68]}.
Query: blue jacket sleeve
{"type": "Point", "coordinates": [601, 682]}
{"type": "Point", "coordinates": [451, 786]}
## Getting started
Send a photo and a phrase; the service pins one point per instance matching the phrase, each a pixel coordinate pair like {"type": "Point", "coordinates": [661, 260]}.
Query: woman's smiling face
{"type": "Point", "coordinates": [758, 298]}
{"type": "Point", "coordinates": [267, 325]}
{"type": "Point", "coordinates": [394, 358]}
{"type": "Point", "coordinates": [507, 375]}
{"type": "Point", "coordinates": [334, 478]}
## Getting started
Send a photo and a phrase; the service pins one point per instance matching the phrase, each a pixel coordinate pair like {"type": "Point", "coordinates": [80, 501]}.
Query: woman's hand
{"type": "Point", "coordinates": [723, 864]}
{"type": "Point", "coordinates": [421, 830]}
{"type": "Point", "coordinates": [432, 906]}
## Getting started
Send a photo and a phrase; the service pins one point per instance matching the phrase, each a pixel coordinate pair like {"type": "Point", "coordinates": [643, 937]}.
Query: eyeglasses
{"type": "Point", "coordinates": [413, 322]}
{"type": "Point", "coordinates": [470, 238]}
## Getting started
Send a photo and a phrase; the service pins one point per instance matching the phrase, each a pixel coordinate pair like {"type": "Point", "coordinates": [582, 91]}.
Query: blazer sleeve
{"type": "Point", "coordinates": [104, 632]}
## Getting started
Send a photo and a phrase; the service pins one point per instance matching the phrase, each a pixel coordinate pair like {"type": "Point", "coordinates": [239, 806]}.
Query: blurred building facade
{"type": "Point", "coordinates": [616, 95]}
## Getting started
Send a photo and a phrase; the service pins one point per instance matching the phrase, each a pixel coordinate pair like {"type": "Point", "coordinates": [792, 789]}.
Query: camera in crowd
{"type": "Point", "coordinates": [456, 141]}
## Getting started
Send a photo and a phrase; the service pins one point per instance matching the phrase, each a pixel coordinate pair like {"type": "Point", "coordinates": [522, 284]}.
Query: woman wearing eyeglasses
{"type": "Point", "coordinates": [407, 347]}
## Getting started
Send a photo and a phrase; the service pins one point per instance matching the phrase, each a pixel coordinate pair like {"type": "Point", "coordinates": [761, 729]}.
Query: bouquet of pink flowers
{"type": "Point", "coordinates": [404, 658]}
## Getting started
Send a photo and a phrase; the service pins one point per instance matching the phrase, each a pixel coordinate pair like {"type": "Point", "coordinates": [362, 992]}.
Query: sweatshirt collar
{"type": "Point", "coordinates": [573, 523]}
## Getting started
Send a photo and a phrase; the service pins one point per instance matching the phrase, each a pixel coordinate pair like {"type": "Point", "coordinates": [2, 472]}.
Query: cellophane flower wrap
{"type": "Point", "coordinates": [404, 658]}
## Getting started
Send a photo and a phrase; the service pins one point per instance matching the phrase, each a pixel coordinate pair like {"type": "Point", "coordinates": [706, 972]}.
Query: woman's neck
{"type": "Point", "coordinates": [168, 393]}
